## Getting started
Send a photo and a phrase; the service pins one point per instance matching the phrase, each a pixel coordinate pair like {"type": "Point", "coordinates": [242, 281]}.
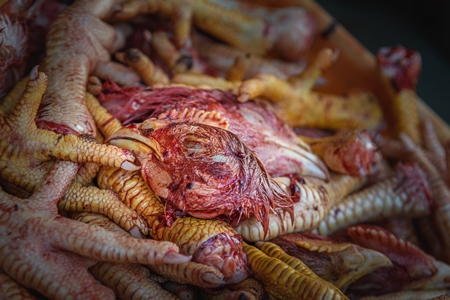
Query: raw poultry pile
{"type": "Point", "coordinates": [195, 150]}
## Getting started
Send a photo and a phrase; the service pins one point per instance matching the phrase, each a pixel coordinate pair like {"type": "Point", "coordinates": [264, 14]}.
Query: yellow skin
{"type": "Point", "coordinates": [171, 56]}
{"type": "Point", "coordinates": [92, 199]}
{"type": "Point", "coordinates": [338, 263]}
{"type": "Point", "coordinates": [407, 112]}
{"type": "Point", "coordinates": [222, 57]}
{"type": "Point", "coordinates": [149, 73]}
{"type": "Point", "coordinates": [400, 69]}
{"type": "Point", "coordinates": [23, 167]}
{"type": "Point", "coordinates": [294, 100]}
{"type": "Point", "coordinates": [20, 138]}
{"type": "Point", "coordinates": [275, 251]}
{"type": "Point", "coordinates": [284, 282]}
{"type": "Point", "coordinates": [298, 105]}
{"type": "Point", "coordinates": [229, 26]}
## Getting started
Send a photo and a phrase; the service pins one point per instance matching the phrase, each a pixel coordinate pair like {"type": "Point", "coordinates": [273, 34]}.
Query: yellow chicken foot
{"type": "Point", "coordinates": [273, 250]}
{"type": "Point", "coordinates": [171, 56]}
{"type": "Point", "coordinates": [43, 250]}
{"type": "Point", "coordinates": [316, 197]}
{"type": "Point", "coordinates": [407, 193]}
{"type": "Point", "coordinates": [140, 62]}
{"type": "Point", "coordinates": [52, 145]}
{"type": "Point", "coordinates": [340, 263]}
{"type": "Point", "coordinates": [128, 281]}
{"type": "Point", "coordinates": [431, 140]}
{"type": "Point", "coordinates": [435, 151]}
{"type": "Point", "coordinates": [205, 82]}
{"type": "Point", "coordinates": [87, 173]}
{"type": "Point", "coordinates": [221, 57]}
{"type": "Point", "coordinates": [25, 147]}
{"type": "Point", "coordinates": [251, 34]}
{"type": "Point", "coordinates": [10, 101]}
{"type": "Point", "coordinates": [237, 71]}
{"type": "Point", "coordinates": [197, 274]}
{"type": "Point", "coordinates": [105, 202]}
{"type": "Point", "coordinates": [298, 105]}
{"type": "Point", "coordinates": [282, 281]}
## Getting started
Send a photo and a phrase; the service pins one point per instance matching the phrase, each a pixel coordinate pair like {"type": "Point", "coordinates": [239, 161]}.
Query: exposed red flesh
{"type": "Point", "coordinates": [58, 128]}
{"type": "Point", "coordinates": [226, 254]}
{"type": "Point", "coordinates": [208, 172]}
{"type": "Point", "coordinates": [254, 123]}
{"type": "Point", "coordinates": [401, 65]}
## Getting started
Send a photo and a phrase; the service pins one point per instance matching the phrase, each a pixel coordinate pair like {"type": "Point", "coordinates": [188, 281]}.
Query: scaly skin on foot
{"type": "Point", "coordinates": [105, 202]}
{"type": "Point", "coordinates": [282, 281]}
{"type": "Point", "coordinates": [317, 198]}
{"type": "Point", "coordinates": [69, 64]}
{"type": "Point", "coordinates": [44, 251]}
{"type": "Point", "coordinates": [128, 281]}
{"type": "Point", "coordinates": [25, 147]}
{"type": "Point", "coordinates": [406, 193]}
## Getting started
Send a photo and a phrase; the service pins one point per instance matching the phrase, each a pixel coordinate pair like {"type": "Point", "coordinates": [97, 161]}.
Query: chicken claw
{"type": "Point", "coordinates": [43, 250]}
{"type": "Point", "coordinates": [406, 193]}
{"type": "Point", "coordinates": [24, 145]}
{"type": "Point", "coordinates": [297, 103]}
{"type": "Point", "coordinates": [282, 281]}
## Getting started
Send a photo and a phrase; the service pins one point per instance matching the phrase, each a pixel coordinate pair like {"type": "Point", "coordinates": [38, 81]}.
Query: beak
{"type": "Point", "coordinates": [129, 137]}
{"type": "Point", "coordinates": [368, 261]}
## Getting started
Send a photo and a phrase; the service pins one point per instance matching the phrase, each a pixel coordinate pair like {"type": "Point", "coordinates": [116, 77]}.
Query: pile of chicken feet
{"type": "Point", "coordinates": [180, 150]}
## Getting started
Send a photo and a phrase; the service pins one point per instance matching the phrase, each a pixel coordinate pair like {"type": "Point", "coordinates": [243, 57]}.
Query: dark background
{"type": "Point", "coordinates": [421, 25]}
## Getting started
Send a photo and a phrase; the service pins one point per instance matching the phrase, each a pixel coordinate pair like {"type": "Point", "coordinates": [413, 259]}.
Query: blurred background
{"type": "Point", "coordinates": [421, 25]}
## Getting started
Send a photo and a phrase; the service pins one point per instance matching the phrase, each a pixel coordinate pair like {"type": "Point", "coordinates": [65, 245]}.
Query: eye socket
{"type": "Point", "coordinates": [252, 116]}
{"type": "Point", "coordinates": [195, 144]}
